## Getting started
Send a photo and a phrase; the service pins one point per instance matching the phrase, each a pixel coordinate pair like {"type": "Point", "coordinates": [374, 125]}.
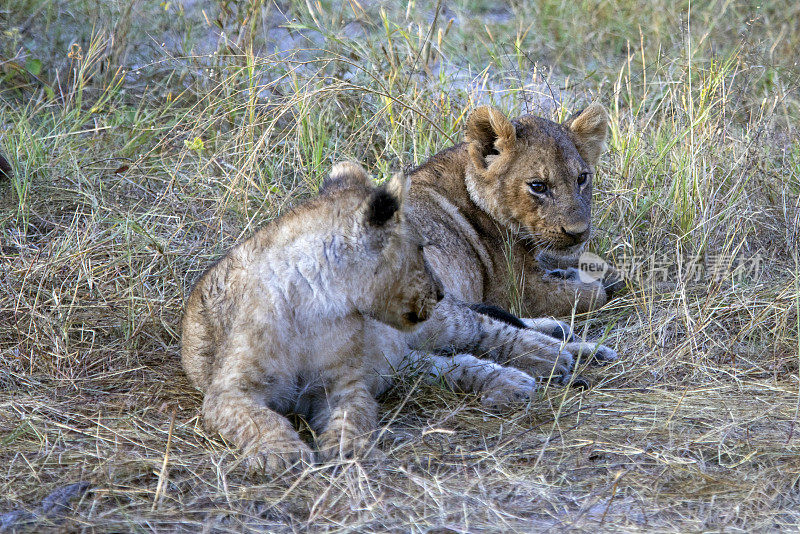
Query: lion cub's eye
{"type": "Point", "coordinates": [538, 188]}
{"type": "Point", "coordinates": [583, 177]}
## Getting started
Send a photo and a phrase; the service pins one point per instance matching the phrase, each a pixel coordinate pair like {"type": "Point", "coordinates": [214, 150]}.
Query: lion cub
{"type": "Point", "coordinates": [277, 325]}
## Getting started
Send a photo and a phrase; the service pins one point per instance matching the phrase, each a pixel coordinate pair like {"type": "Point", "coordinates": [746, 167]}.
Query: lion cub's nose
{"type": "Point", "coordinates": [577, 233]}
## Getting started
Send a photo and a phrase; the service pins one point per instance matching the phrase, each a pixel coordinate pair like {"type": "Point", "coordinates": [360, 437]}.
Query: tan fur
{"type": "Point", "coordinates": [485, 233]}
{"type": "Point", "coordinates": [480, 188]}
{"type": "Point", "coordinates": [279, 324]}
{"type": "Point", "coordinates": [488, 234]}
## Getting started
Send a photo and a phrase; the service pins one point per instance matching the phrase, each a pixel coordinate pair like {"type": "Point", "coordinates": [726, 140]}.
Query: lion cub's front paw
{"type": "Point", "coordinates": [570, 274]}
{"type": "Point", "coordinates": [273, 458]}
{"type": "Point", "coordinates": [597, 353]}
{"type": "Point", "coordinates": [548, 361]}
{"type": "Point", "coordinates": [511, 387]}
{"type": "Point", "coordinates": [613, 281]}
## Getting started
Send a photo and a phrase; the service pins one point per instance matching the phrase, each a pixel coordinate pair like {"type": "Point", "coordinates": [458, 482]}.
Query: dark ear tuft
{"type": "Point", "coordinates": [382, 207]}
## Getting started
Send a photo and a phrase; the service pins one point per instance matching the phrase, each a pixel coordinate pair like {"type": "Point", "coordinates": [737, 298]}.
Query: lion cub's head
{"type": "Point", "coordinates": [392, 282]}
{"type": "Point", "coordinates": [534, 176]}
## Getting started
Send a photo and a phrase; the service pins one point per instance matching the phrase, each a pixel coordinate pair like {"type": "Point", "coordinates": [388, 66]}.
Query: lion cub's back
{"type": "Point", "coordinates": [251, 278]}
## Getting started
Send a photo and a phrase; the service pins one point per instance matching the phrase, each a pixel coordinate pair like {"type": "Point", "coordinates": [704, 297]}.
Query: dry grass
{"type": "Point", "coordinates": [128, 184]}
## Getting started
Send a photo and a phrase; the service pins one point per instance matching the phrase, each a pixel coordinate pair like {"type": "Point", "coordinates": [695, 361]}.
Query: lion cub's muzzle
{"type": "Point", "coordinates": [575, 234]}
{"type": "Point", "coordinates": [565, 241]}
{"type": "Point", "coordinates": [424, 305]}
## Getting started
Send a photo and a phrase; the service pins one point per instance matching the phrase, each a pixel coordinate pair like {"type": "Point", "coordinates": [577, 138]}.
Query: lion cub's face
{"type": "Point", "coordinates": [394, 283]}
{"type": "Point", "coordinates": [535, 176]}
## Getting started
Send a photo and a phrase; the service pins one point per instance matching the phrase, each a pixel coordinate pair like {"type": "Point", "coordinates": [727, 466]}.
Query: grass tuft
{"type": "Point", "coordinates": [147, 139]}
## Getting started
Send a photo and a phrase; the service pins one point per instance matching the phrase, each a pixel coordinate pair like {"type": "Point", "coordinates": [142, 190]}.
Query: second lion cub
{"type": "Point", "coordinates": [277, 325]}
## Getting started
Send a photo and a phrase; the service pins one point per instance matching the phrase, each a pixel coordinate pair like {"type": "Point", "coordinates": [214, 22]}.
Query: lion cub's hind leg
{"type": "Point", "coordinates": [551, 327]}
{"type": "Point", "coordinates": [237, 405]}
{"type": "Point", "coordinates": [560, 330]}
{"type": "Point", "coordinates": [546, 325]}
{"type": "Point", "coordinates": [500, 387]}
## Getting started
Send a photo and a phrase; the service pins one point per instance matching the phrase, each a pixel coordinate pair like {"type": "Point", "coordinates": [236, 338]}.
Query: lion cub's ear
{"type": "Point", "coordinates": [488, 132]}
{"type": "Point", "coordinates": [385, 203]}
{"type": "Point", "coordinates": [590, 127]}
{"type": "Point", "coordinates": [345, 175]}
